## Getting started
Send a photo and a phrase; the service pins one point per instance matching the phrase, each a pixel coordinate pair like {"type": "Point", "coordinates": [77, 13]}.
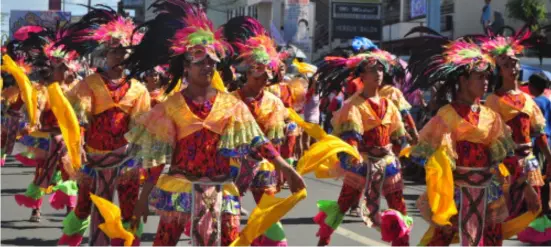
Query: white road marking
{"type": "Point", "coordinates": [358, 238]}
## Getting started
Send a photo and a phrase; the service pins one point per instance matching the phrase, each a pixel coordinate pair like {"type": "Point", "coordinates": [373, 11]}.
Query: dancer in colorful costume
{"type": "Point", "coordinates": [155, 80]}
{"type": "Point", "coordinates": [370, 123]}
{"type": "Point", "coordinates": [197, 131]}
{"type": "Point", "coordinates": [52, 166]}
{"type": "Point", "coordinates": [461, 147]}
{"type": "Point", "coordinates": [524, 117]}
{"type": "Point", "coordinates": [396, 77]}
{"type": "Point", "coordinates": [107, 104]}
{"type": "Point", "coordinates": [293, 95]}
{"type": "Point", "coordinates": [12, 102]}
{"type": "Point", "coordinates": [259, 60]}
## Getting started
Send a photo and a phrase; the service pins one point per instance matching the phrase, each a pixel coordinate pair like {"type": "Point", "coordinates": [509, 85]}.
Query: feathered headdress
{"type": "Point", "coordinates": [255, 49]}
{"type": "Point", "coordinates": [458, 57]}
{"type": "Point", "coordinates": [101, 26]}
{"type": "Point", "coordinates": [502, 46]}
{"type": "Point", "coordinates": [437, 58]}
{"type": "Point", "coordinates": [117, 32]}
{"type": "Point", "coordinates": [259, 55]}
{"type": "Point", "coordinates": [180, 30]}
{"type": "Point", "coordinates": [363, 43]}
{"type": "Point", "coordinates": [336, 70]}
{"type": "Point", "coordinates": [198, 38]}
{"type": "Point", "coordinates": [12, 48]}
{"type": "Point", "coordinates": [39, 45]}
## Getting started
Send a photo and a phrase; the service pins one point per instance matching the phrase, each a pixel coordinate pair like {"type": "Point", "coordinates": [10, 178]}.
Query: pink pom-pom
{"type": "Point", "coordinates": [60, 200]}
{"type": "Point", "coordinates": [393, 226]}
{"type": "Point", "coordinates": [73, 240]}
{"type": "Point", "coordinates": [28, 202]}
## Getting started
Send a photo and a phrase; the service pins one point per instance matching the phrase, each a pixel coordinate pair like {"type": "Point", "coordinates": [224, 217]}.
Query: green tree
{"type": "Point", "coordinates": [527, 10]}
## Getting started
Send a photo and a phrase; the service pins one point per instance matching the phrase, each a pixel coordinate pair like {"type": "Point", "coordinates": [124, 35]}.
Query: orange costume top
{"type": "Point", "coordinates": [519, 111]}
{"type": "Point", "coordinates": [108, 110]}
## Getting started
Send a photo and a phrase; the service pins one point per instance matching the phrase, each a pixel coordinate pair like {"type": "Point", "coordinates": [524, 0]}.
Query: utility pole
{"type": "Point", "coordinates": [89, 5]}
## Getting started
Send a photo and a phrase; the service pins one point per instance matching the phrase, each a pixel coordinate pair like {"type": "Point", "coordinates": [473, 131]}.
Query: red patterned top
{"type": "Point", "coordinates": [520, 124]}
{"type": "Point", "coordinates": [48, 120]}
{"type": "Point", "coordinates": [380, 135]}
{"type": "Point", "coordinates": [470, 154]}
{"type": "Point", "coordinates": [107, 129]}
{"type": "Point", "coordinates": [197, 154]}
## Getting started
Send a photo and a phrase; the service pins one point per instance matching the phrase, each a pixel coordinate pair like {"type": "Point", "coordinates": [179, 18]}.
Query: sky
{"type": "Point", "coordinates": [70, 6]}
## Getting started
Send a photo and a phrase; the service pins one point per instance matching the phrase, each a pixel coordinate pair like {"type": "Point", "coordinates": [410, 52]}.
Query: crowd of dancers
{"type": "Point", "coordinates": [181, 118]}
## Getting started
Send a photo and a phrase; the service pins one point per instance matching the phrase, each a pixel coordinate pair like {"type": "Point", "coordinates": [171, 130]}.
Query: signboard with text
{"type": "Point", "coordinates": [356, 19]}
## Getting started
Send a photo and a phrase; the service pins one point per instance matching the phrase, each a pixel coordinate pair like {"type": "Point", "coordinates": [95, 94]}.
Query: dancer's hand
{"type": "Point", "coordinates": [294, 180]}
{"type": "Point", "coordinates": [532, 199]}
{"type": "Point", "coordinates": [141, 210]}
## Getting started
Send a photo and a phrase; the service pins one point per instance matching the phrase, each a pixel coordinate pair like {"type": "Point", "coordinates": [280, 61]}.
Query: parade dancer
{"type": "Point", "coordinates": [12, 108]}
{"type": "Point", "coordinates": [107, 104]}
{"type": "Point", "coordinates": [259, 58]}
{"type": "Point", "coordinates": [519, 111]}
{"type": "Point", "coordinates": [197, 131]}
{"type": "Point", "coordinates": [461, 147]}
{"type": "Point", "coordinates": [388, 89]}
{"type": "Point", "coordinates": [47, 59]}
{"type": "Point", "coordinates": [293, 95]}
{"type": "Point", "coordinates": [370, 123]}
{"type": "Point", "coordinates": [155, 80]}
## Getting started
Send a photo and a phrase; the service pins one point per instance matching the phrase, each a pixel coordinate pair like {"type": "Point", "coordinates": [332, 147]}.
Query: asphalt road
{"type": "Point", "coordinates": [299, 227]}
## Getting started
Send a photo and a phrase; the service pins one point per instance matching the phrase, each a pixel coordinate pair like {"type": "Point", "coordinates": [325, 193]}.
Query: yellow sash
{"type": "Point", "coordinates": [268, 211]}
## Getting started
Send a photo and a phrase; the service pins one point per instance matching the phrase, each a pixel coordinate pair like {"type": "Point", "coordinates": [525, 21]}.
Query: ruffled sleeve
{"type": "Point", "coordinates": [397, 97]}
{"type": "Point", "coordinates": [433, 135]}
{"type": "Point", "coordinates": [273, 123]}
{"type": "Point", "coordinates": [347, 122]}
{"type": "Point", "coordinates": [154, 134]}
{"type": "Point", "coordinates": [142, 104]}
{"type": "Point", "coordinates": [241, 134]}
{"type": "Point", "coordinates": [501, 143]}
{"type": "Point", "coordinates": [81, 98]}
{"type": "Point", "coordinates": [397, 128]}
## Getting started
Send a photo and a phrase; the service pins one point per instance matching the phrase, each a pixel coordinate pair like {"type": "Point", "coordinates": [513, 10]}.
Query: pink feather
{"type": "Point", "coordinates": [23, 32]}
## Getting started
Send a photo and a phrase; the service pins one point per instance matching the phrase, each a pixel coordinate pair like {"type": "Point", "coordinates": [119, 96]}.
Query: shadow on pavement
{"type": "Point", "coordinates": [302, 221]}
{"type": "Point", "coordinates": [11, 192]}
{"type": "Point", "coordinates": [30, 241]}
{"type": "Point", "coordinates": [409, 197]}
{"type": "Point", "coordinates": [19, 173]}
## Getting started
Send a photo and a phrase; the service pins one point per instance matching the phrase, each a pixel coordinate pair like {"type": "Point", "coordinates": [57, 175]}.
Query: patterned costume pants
{"type": "Point", "coordinates": [53, 162]}
{"type": "Point", "coordinates": [350, 194]}
{"type": "Point", "coordinates": [492, 236]}
{"type": "Point", "coordinates": [171, 228]}
{"type": "Point", "coordinates": [104, 184]}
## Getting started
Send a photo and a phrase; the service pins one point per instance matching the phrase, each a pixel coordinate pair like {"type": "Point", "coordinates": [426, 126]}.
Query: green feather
{"type": "Point", "coordinates": [201, 37]}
